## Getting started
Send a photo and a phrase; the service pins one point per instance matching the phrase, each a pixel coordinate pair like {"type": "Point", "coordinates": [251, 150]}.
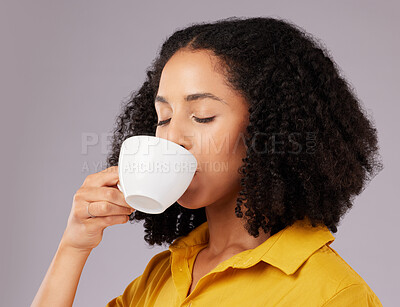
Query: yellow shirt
{"type": "Point", "coordinates": [294, 267]}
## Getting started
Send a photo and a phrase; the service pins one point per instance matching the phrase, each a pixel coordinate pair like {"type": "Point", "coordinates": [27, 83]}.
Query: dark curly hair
{"type": "Point", "coordinates": [294, 91]}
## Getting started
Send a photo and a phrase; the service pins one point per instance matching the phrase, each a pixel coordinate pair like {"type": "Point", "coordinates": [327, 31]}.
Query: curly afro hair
{"type": "Point", "coordinates": [294, 92]}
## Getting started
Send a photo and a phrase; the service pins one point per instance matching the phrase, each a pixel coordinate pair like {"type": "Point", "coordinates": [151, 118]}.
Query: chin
{"type": "Point", "coordinates": [189, 202]}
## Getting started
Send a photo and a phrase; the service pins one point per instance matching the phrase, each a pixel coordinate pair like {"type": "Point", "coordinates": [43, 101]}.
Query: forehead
{"type": "Point", "coordinates": [188, 69]}
{"type": "Point", "coordinates": [188, 72]}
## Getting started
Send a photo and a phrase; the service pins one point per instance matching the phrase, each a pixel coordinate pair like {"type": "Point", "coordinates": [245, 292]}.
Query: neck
{"type": "Point", "coordinates": [227, 232]}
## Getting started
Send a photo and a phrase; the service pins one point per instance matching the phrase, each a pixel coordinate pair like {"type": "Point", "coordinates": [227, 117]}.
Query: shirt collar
{"type": "Point", "coordinates": [286, 250]}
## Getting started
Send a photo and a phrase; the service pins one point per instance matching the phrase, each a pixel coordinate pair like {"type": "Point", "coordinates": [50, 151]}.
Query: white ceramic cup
{"type": "Point", "coordinates": [154, 172]}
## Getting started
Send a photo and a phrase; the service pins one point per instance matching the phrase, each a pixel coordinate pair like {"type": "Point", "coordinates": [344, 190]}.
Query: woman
{"type": "Point", "coordinates": [283, 147]}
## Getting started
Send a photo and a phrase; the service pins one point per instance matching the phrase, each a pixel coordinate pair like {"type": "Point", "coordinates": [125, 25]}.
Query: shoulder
{"type": "Point", "coordinates": [354, 295]}
{"type": "Point", "coordinates": [343, 285]}
{"type": "Point", "coordinates": [328, 263]}
{"type": "Point", "coordinates": [157, 265]}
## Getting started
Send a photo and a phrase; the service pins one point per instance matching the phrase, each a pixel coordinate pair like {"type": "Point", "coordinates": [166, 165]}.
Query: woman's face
{"type": "Point", "coordinates": [218, 143]}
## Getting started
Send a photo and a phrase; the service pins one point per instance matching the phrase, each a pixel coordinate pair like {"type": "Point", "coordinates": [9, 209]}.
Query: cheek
{"type": "Point", "coordinates": [219, 152]}
{"type": "Point", "coordinates": [222, 152]}
{"type": "Point", "coordinates": [219, 175]}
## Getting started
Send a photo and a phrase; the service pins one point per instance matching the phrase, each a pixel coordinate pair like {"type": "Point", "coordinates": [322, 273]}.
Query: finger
{"type": "Point", "coordinates": [103, 208]}
{"type": "Point", "coordinates": [107, 177]}
{"type": "Point", "coordinates": [105, 221]}
{"type": "Point", "coordinates": [109, 194]}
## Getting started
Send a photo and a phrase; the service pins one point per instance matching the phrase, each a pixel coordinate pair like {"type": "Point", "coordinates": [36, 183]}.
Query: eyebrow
{"type": "Point", "coordinates": [193, 97]}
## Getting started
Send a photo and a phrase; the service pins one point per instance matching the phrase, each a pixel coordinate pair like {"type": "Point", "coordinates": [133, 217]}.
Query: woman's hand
{"type": "Point", "coordinates": [107, 204]}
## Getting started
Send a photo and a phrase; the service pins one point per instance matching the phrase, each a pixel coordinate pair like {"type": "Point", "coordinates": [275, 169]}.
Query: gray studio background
{"type": "Point", "coordinates": [65, 68]}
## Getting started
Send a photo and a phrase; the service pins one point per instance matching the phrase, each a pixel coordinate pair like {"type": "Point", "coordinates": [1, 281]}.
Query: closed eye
{"type": "Point", "coordinates": [199, 120]}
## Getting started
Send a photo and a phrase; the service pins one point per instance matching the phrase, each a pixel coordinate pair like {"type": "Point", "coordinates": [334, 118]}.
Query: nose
{"type": "Point", "coordinates": [181, 134]}
{"type": "Point", "coordinates": [181, 141]}
{"type": "Point", "coordinates": [178, 134]}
